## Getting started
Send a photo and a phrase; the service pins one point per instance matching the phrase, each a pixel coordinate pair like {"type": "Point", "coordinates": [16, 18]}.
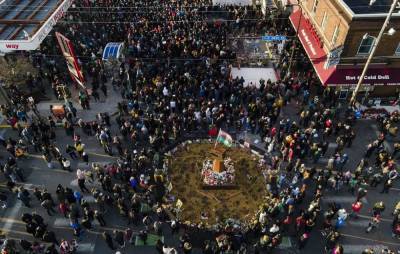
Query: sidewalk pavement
{"type": "Point", "coordinates": [106, 104]}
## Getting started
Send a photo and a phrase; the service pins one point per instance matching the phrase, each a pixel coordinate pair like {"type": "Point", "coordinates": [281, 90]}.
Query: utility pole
{"type": "Point", "coordinates": [295, 39]}
{"type": "Point", "coordinates": [371, 55]}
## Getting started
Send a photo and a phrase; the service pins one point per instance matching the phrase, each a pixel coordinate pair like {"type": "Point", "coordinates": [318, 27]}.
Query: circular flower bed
{"type": "Point", "coordinates": [189, 162]}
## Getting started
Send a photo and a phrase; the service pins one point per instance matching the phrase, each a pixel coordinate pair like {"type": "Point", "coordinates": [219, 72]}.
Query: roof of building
{"type": "Point", "coordinates": [21, 19]}
{"type": "Point", "coordinates": [363, 7]}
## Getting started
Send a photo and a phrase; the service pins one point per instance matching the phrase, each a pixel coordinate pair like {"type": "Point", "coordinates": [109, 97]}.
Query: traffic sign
{"type": "Point", "coordinates": [273, 38]}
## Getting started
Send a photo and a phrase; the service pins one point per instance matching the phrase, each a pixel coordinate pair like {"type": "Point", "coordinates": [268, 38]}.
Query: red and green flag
{"type": "Point", "coordinates": [224, 138]}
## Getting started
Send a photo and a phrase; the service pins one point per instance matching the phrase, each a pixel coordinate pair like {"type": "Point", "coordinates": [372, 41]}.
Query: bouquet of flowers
{"type": "Point", "coordinates": [210, 177]}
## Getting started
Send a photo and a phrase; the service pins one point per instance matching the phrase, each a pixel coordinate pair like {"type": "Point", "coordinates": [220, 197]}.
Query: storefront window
{"type": "Point", "coordinates": [397, 52]}
{"type": "Point", "coordinates": [324, 21]}
{"type": "Point", "coordinates": [314, 8]}
{"type": "Point", "coordinates": [335, 35]}
{"type": "Point", "coordinates": [366, 45]}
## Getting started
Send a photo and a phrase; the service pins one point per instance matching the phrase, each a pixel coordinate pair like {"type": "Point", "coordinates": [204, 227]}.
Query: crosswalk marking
{"type": "Point", "coordinates": [89, 199]}
{"type": "Point", "coordinates": [45, 168]}
{"type": "Point", "coordinates": [339, 199]}
{"type": "Point", "coordinates": [358, 223]}
{"type": "Point", "coordinates": [85, 248]}
{"type": "Point", "coordinates": [323, 160]}
{"type": "Point", "coordinates": [102, 155]}
{"type": "Point", "coordinates": [83, 165]}
{"type": "Point", "coordinates": [2, 132]}
{"type": "Point", "coordinates": [64, 222]}
{"type": "Point", "coordinates": [332, 145]}
{"type": "Point", "coordinates": [343, 199]}
{"type": "Point", "coordinates": [13, 212]}
{"type": "Point", "coordinates": [13, 220]}
{"type": "Point", "coordinates": [370, 218]}
{"type": "Point", "coordinates": [357, 249]}
{"type": "Point", "coordinates": [74, 183]}
{"type": "Point", "coordinates": [93, 148]}
{"type": "Point", "coordinates": [286, 243]}
{"type": "Point", "coordinates": [370, 240]}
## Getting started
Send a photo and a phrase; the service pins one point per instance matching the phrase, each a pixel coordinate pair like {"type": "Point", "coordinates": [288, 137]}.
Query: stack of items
{"type": "Point", "coordinates": [213, 178]}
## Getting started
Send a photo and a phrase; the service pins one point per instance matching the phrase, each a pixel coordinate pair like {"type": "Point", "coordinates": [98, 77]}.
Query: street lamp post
{"type": "Point", "coordinates": [294, 44]}
{"type": "Point", "coordinates": [371, 55]}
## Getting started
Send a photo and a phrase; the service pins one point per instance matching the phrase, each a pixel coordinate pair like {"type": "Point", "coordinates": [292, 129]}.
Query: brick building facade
{"type": "Point", "coordinates": [338, 36]}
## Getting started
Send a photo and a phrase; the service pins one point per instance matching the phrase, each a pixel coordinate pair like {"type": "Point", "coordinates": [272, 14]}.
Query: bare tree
{"type": "Point", "coordinates": [16, 70]}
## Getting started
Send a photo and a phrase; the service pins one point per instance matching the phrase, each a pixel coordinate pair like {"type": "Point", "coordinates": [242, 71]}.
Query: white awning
{"type": "Point", "coordinates": [113, 50]}
{"type": "Point", "coordinates": [34, 41]}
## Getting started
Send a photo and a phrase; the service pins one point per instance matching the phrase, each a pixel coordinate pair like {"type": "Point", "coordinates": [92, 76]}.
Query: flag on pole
{"type": "Point", "coordinates": [169, 188]}
{"type": "Point", "coordinates": [179, 204]}
{"type": "Point", "coordinates": [224, 138]}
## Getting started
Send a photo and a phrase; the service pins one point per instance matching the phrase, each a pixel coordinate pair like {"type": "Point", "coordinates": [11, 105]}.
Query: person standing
{"type": "Point", "coordinates": [80, 148]}
{"type": "Point", "coordinates": [70, 150]}
{"type": "Point", "coordinates": [338, 249]}
{"type": "Point", "coordinates": [85, 158]}
{"type": "Point", "coordinates": [37, 193]}
{"type": "Point", "coordinates": [107, 237]}
{"type": "Point", "coordinates": [143, 236]}
{"type": "Point", "coordinates": [396, 149]}
{"type": "Point", "coordinates": [48, 205]}
{"type": "Point", "coordinates": [119, 238]}
{"type": "Point", "coordinates": [159, 246]}
{"type": "Point", "coordinates": [103, 88]}
{"type": "Point", "coordinates": [100, 218]}
{"type": "Point", "coordinates": [95, 95]}
{"type": "Point", "coordinates": [23, 195]}
{"type": "Point", "coordinates": [386, 186]}
{"type": "Point", "coordinates": [361, 193]}
{"type": "Point", "coordinates": [84, 100]}
{"type": "Point", "coordinates": [187, 248]}
{"type": "Point", "coordinates": [356, 208]}
{"type": "Point", "coordinates": [303, 240]}
{"type": "Point", "coordinates": [66, 164]}
{"type": "Point", "coordinates": [63, 208]}
{"type": "Point", "coordinates": [47, 158]}
{"type": "Point", "coordinates": [117, 143]}
{"type": "Point", "coordinates": [128, 233]}
{"type": "Point", "coordinates": [81, 180]}
{"type": "Point", "coordinates": [50, 237]}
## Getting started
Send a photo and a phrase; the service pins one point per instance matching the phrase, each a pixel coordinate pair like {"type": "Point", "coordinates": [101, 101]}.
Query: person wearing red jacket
{"type": "Point", "coordinates": [356, 208]}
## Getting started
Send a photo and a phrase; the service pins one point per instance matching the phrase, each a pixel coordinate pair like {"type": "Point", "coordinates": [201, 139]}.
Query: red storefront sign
{"type": "Point", "coordinates": [311, 44]}
{"type": "Point", "coordinates": [334, 76]}
{"type": "Point", "coordinates": [375, 76]}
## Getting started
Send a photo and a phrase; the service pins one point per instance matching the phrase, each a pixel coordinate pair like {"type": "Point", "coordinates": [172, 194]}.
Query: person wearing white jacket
{"type": "Point", "coordinates": [66, 164]}
{"type": "Point", "coordinates": [169, 250]}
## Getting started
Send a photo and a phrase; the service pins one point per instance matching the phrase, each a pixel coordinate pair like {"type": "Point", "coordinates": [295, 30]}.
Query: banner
{"type": "Point", "coordinates": [72, 62]}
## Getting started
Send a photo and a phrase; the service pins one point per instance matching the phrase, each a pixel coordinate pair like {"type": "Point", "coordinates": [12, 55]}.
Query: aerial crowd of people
{"type": "Point", "coordinates": [175, 82]}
